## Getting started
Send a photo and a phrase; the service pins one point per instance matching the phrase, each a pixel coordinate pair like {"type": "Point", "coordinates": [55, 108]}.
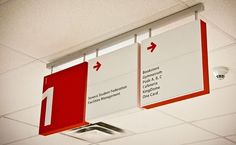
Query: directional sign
{"type": "Point", "coordinates": [112, 84]}
{"type": "Point", "coordinates": [169, 67]}
{"type": "Point", "coordinates": [174, 65]}
{"type": "Point", "coordinates": [63, 104]}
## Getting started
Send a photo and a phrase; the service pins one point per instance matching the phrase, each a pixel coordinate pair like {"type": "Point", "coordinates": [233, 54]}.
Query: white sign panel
{"type": "Point", "coordinates": [174, 65]}
{"type": "Point", "coordinates": [112, 83]}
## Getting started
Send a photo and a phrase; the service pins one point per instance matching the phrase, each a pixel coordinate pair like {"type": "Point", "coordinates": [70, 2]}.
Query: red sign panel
{"type": "Point", "coordinates": [64, 96]}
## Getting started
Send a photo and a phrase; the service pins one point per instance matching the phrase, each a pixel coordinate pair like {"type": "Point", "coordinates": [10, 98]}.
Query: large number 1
{"type": "Point", "coordinates": [48, 115]}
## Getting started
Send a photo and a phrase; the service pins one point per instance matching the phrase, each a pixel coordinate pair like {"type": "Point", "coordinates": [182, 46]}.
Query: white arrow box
{"type": "Point", "coordinates": [113, 88]}
{"type": "Point", "coordinates": [177, 68]}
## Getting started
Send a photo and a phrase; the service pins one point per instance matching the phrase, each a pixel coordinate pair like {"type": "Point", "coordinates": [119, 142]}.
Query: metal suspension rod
{"type": "Point", "coordinates": [150, 32]}
{"type": "Point", "coordinates": [196, 15]}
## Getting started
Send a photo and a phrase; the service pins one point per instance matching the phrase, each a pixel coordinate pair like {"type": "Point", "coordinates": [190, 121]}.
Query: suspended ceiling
{"type": "Point", "coordinates": [34, 32]}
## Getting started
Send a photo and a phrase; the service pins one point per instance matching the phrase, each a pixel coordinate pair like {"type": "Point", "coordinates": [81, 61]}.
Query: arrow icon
{"type": "Point", "coordinates": [152, 47]}
{"type": "Point", "coordinates": [97, 66]}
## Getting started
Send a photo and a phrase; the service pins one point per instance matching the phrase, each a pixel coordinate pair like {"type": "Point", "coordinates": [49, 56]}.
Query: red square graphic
{"type": "Point", "coordinates": [64, 96]}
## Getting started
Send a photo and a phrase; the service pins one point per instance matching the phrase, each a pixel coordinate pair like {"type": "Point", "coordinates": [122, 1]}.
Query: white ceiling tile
{"type": "Point", "coordinates": [218, 141]}
{"type": "Point", "coordinates": [216, 38]}
{"type": "Point", "coordinates": [224, 125]}
{"type": "Point", "coordinates": [10, 59]}
{"type": "Point", "coordinates": [55, 139]}
{"type": "Point", "coordinates": [233, 138]}
{"type": "Point", "coordinates": [41, 28]}
{"type": "Point", "coordinates": [181, 134]}
{"type": "Point", "coordinates": [21, 88]}
{"type": "Point", "coordinates": [223, 57]}
{"type": "Point", "coordinates": [221, 12]}
{"type": "Point", "coordinates": [158, 15]}
{"type": "Point", "coordinates": [11, 131]}
{"type": "Point", "coordinates": [143, 121]}
{"type": "Point", "coordinates": [31, 115]}
{"type": "Point", "coordinates": [218, 102]}
{"type": "Point", "coordinates": [230, 79]}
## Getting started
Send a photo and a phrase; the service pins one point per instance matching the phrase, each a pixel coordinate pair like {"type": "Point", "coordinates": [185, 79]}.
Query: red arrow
{"type": "Point", "coordinates": [152, 47]}
{"type": "Point", "coordinates": [97, 66]}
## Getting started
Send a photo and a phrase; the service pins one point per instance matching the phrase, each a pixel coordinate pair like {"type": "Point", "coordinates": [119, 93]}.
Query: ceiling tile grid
{"type": "Point", "coordinates": [220, 12]}
{"type": "Point", "coordinates": [218, 102]}
{"type": "Point", "coordinates": [216, 38]}
{"type": "Point", "coordinates": [114, 32]}
{"type": "Point", "coordinates": [223, 126]}
{"type": "Point", "coordinates": [144, 121]}
{"type": "Point", "coordinates": [223, 57]}
{"type": "Point", "coordinates": [177, 135]}
{"type": "Point", "coordinates": [233, 138]}
{"type": "Point", "coordinates": [11, 131]}
{"type": "Point", "coordinates": [10, 59]}
{"type": "Point", "coordinates": [22, 88]}
{"type": "Point", "coordinates": [35, 29]}
{"type": "Point", "coordinates": [218, 141]}
{"type": "Point", "coordinates": [41, 28]}
{"type": "Point", "coordinates": [56, 139]}
{"type": "Point", "coordinates": [30, 115]}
